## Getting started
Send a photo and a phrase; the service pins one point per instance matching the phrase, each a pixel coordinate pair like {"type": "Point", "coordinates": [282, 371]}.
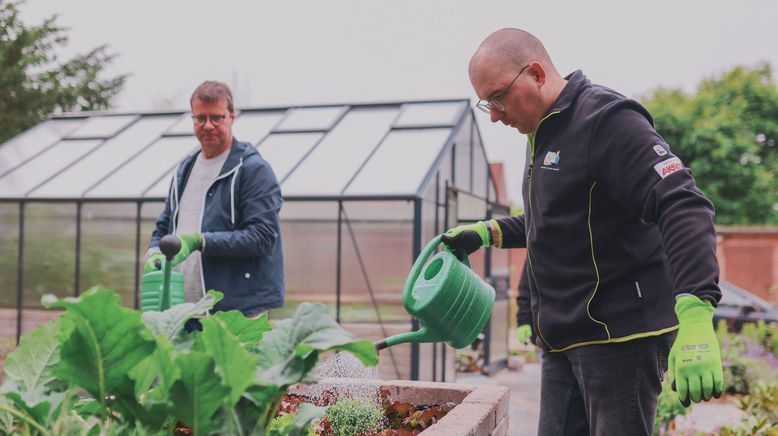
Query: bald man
{"type": "Point", "coordinates": [622, 271]}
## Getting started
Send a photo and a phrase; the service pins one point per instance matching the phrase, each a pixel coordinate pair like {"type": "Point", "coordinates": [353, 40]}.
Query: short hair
{"type": "Point", "coordinates": [211, 91]}
{"type": "Point", "coordinates": [513, 47]}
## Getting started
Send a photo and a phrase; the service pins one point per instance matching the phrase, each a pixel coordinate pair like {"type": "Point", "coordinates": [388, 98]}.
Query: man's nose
{"type": "Point", "coordinates": [495, 115]}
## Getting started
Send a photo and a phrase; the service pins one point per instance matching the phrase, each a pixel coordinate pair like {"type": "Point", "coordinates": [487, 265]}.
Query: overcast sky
{"type": "Point", "coordinates": [328, 51]}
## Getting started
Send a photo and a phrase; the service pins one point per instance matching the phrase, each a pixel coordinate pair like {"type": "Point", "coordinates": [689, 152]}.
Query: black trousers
{"type": "Point", "coordinates": [608, 389]}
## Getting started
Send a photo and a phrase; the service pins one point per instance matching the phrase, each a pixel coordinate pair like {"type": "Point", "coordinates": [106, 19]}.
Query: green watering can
{"type": "Point", "coordinates": [163, 289]}
{"type": "Point", "coordinates": [447, 297]}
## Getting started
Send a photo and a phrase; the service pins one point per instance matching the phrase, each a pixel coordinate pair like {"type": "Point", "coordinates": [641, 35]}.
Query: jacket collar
{"type": "Point", "coordinates": [575, 84]}
{"type": "Point", "coordinates": [238, 151]}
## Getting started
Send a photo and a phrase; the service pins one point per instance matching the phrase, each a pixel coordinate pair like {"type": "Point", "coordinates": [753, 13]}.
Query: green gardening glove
{"type": "Point", "coordinates": [154, 262]}
{"type": "Point", "coordinates": [468, 237]}
{"type": "Point", "coordinates": [190, 243]}
{"type": "Point", "coordinates": [694, 364]}
{"type": "Point", "coordinates": [524, 333]}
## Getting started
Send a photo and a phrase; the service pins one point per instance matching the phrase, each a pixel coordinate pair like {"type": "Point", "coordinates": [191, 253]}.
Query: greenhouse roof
{"type": "Point", "coordinates": [382, 150]}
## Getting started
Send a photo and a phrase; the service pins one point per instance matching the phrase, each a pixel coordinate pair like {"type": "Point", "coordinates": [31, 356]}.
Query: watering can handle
{"type": "Point", "coordinates": [169, 245]}
{"type": "Point", "coordinates": [422, 259]}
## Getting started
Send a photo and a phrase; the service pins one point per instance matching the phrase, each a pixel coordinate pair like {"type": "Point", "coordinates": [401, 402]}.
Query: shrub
{"type": "Point", "coordinates": [350, 416]}
{"type": "Point", "coordinates": [749, 357]}
{"type": "Point", "coordinates": [761, 409]}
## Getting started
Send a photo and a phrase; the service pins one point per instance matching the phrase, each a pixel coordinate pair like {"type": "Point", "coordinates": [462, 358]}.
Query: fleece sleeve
{"type": "Point", "coordinates": [636, 167]}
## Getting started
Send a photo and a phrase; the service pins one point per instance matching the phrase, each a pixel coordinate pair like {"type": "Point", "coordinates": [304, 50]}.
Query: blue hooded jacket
{"type": "Point", "coordinates": [242, 254]}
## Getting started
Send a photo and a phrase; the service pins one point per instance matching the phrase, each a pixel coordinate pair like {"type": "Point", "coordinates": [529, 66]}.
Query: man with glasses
{"type": "Point", "coordinates": [621, 249]}
{"type": "Point", "coordinates": [223, 205]}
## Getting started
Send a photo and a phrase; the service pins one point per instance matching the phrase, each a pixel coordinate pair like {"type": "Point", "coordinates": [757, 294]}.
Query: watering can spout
{"type": "Point", "coordinates": [421, 335]}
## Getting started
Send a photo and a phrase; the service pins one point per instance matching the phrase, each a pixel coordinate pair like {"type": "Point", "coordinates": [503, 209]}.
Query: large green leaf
{"type": "Point", "coordinates": [248, 331]}
{"type": "Point", "coordinates": [30, 365]}
{"type": "Point", "coordinates": [199, 393]}
{"type": "Point", "coordinates": [101, 341]}
{"type": "Point", "coordinates": [158, 367]}
{"type": "Point", "coordinates": [233, 362]}
{"type": "Point", "coordinates": [170, 323]}
{"type": "Point", "coordinates": [289, 352]}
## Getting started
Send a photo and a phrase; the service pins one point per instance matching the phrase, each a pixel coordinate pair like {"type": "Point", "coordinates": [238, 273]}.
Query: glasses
{"type": "Point", "coordinates": [216, 120]}
{"type": "Point", "coordinates": [496, 102]}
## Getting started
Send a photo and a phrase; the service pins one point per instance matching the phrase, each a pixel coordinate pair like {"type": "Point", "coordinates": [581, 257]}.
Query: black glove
{"type": "Point", "coordinates": [468, 238]}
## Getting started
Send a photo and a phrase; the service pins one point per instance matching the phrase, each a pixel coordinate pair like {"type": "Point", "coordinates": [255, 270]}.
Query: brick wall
{"type": "Point", "coordinates": [748, 257]}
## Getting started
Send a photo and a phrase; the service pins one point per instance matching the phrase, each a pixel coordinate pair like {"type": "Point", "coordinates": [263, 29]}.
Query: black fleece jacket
{"type": "Point", "coordinates": [614, 224]}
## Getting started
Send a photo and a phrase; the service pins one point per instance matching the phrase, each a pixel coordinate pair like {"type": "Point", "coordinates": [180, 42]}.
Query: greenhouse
{"type": "Point", "coordinates": [365, 187]}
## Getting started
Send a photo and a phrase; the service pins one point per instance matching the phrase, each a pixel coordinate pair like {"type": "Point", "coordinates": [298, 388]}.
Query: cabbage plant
{"type": "Point", "coordinates": [105, 369]}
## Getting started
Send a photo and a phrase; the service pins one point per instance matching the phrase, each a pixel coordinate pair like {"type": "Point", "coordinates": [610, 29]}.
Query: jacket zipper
{"type": "Point", "coordinates": [531, 138]}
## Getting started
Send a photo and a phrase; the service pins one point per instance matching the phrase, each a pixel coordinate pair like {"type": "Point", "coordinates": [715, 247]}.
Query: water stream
{"type": "Point", "coordinates": [348, 378]}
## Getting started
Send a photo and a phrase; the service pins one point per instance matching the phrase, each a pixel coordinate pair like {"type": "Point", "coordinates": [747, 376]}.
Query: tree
{"type": "Point", "coordinates": [35, 84]}
{"type": "Point", "coordinates": [727, 133]}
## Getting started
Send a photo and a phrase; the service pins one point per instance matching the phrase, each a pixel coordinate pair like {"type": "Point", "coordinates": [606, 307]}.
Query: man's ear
{"type": "Point", "coordinates": [538, 73]}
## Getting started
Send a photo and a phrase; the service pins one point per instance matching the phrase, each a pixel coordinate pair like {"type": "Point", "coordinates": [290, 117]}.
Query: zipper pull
{"type": "Point", "coordinates": [529, 173]}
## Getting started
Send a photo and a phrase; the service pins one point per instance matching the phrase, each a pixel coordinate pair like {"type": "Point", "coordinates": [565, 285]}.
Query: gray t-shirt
{"type": "Point", "coordinates": [190, 212]}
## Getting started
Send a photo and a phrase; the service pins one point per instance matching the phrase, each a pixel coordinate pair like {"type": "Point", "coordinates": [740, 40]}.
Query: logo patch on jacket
{"type": "Point", "coordinates": [658, 149]}
{"type": "Point", "coordinates": [551, 159]}
{"type": "Point", "coordinates": [669, 166]}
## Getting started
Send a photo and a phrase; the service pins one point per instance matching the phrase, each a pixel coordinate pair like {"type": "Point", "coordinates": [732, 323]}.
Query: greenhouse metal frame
{"type": "Point", "coordinates": [347, 165]}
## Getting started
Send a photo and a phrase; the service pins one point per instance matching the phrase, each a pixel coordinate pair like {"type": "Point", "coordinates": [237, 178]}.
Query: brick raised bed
{"type": "Point", "coordinates": [480, 410]}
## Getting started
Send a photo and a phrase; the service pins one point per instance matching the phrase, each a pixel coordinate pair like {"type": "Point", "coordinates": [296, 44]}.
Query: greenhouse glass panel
{"type": "Point", "coordinates": [463, 159]}
{"type": "Point", "coordinates": [330, 166]}
{"type": "Point", "coordinates": [132, 179]}
{"type": "Point", "coordinates": [310, 256]}
{"type": "Point", "coordinates": [498, 331]}
{"type": "Point", "coordinates": [161, 188]}
{"type": "Point", "coordinates": [9, 255]}
{"type": "Point", "coordinates": [252, 127]}
{"type": "Point", "coordinates": [429, 114]}
{"type": "Point", "coordinates": [377, 255]}
{"type": "Point", "coordinates": [102, 126]}
{"type": "Point", "coordinates": [470, 208]}
{"type": "Point", "coordinates": [434, 364]}
{"type": "Point", "coordinates": [429, 225]}
{"type": "Point", "coordinates": [379, 211]}
{"type": "Point", "coordinates": [49, 251]}
{"type": "Point", "coordinates": [49, 259]}
{"type": "Point", "coordinates": [29, 143]}
{"type": "Point", "coordinates": [446, 167]}
{"type": "Point", "coordinates": [311, 118]}
{"type": "Point", "coordinates": [184, 126]}
{"type": "Point", "coordinates": [108, 248]}
{"type": "Point", "coordinates": [285, 150]}
{"type": "Point", "coordinates": [480, 169]}
{"type": "Point", "coordinates": [309, 210]}
{"type": "Point", "coordinates": [75, 180]}
{"type": "Point", "coordinates": [149, 214]}
{"type": "Point", "coordinates": [36, 170]}
{"type": "Point", "coordinates": [400, 163]}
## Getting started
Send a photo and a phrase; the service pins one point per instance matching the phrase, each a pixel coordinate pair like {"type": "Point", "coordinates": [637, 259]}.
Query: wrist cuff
{"type": "Point", "coordinates": [495, 233]}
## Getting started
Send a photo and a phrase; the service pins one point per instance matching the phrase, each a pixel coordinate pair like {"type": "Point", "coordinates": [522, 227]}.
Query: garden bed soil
{"type": "Point", "coordinates": [432, 408]}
